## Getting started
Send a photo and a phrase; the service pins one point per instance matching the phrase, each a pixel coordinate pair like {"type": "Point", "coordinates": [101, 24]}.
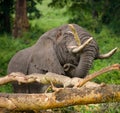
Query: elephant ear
{"type": "Point", "coordinates": [44, 58]}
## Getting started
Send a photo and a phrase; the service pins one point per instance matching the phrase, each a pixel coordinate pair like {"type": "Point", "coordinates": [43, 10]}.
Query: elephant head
{"type": "Point", "coordinates": [64, 50]}
{"type": "Point", "coordinates": [87, 50]}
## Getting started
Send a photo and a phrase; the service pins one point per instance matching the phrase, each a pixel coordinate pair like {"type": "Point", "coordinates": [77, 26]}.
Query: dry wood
{"type": "Point", "coordinates": [90, 93]}
{"type": "Point", "coordinates": [61, 98]}
{"type": "Point", "coordinates": [91, 76]}
{"type": "Point", "coordinates": [54, 78]}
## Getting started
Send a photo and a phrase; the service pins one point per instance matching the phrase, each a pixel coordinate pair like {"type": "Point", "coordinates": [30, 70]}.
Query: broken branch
{"type": "Point", "coordinates": [55, 78]}
{"type": "Point", "coordinates": [104, 70]}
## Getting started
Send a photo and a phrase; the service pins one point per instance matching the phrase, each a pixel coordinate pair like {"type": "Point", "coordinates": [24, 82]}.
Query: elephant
{"type": "Point", "coordinates": [57, 51]}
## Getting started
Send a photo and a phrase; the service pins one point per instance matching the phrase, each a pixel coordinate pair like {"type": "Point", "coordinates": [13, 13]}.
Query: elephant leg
{"type": "Point", "coordinates": [29, 88]}
{"type": "Point", "coordinates": [20, 88]}
{"type": "Point", "coordinates": [37, 87]}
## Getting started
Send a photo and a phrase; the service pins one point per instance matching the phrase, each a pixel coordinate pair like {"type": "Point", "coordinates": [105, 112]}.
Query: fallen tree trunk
{"type": "Point", "coordinates": [63, 97]}
{"type": "Point", "coordinates": [81, 93]}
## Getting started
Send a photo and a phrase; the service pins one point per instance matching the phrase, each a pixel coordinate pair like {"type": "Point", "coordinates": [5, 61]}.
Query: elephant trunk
{"type": "Point", "coordinates": [85, 64]}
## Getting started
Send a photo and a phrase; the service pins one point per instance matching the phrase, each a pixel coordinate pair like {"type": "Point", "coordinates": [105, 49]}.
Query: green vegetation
{"type": "Point", "coordinates": [106, 41]}
{"type": "Point", "coordinates": [52, 18]}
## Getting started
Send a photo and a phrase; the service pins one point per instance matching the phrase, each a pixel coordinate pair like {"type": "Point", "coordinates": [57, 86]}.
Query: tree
{"type": "Point", "coordinates": [6, 8]}
{"type": "Point", "coordinates": [21, 23]}
{"type": "Point", "coordinates": [111, 15]}
{"type": "Point", "coordinates": [7, 12]}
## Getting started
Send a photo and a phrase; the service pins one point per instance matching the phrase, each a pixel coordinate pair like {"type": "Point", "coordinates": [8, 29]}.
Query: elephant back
{"type": "Point", "coordinates": [20, 61]}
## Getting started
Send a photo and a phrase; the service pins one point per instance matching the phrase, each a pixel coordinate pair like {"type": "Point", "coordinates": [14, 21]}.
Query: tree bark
{"type": "Point", "coordinates": [21, 23]}
{"type": "Point", "coordinates": [55, 78]}
{"type": "Point", "coordinates": [63, 97]}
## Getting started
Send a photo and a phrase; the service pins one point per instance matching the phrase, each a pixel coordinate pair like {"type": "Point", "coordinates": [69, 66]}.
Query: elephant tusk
{"type": "Point", "coordinates": [107, 55]}
{"type": "Point", "coordinates": [79, 48]}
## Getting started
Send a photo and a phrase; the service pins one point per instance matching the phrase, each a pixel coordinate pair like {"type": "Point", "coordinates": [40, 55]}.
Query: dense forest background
{"type": "Point", "coordinates": [22, 22]}
{"type": "Point", "coordinates": [88, 13]}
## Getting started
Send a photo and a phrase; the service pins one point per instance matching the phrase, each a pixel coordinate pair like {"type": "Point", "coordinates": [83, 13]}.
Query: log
{"type": "Point", "coordinates": [63, 97]}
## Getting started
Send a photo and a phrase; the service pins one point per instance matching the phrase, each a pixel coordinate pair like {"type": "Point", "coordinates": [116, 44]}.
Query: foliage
{"type": "Point", "coordinates": [50, 18]}
{"type": "Point", "coordinates": [92, 13]}
{"type": "Point", "coordinates": [106, 41]}
{"type": "Point", "coordinates": [33, 12]}
{"type": "Point", "coordinates": [111, 15]}
{"type": "Point", "coordinates": [6, 8]}
{"type": "Point", "coordinates": [7, 12]}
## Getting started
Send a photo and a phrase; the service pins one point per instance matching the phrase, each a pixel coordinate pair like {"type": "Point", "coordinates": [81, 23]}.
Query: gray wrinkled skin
{"type": "Point", "coordinates": [50, 53]}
